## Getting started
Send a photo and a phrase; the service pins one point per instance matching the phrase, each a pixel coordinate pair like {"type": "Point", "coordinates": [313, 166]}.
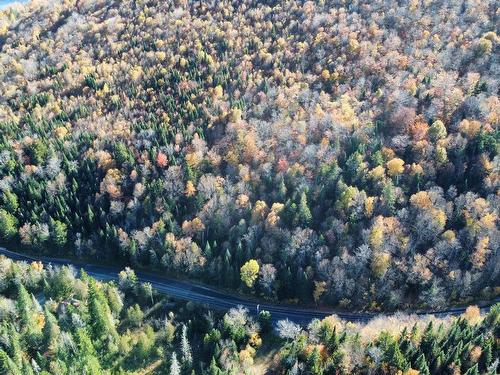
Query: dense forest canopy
{"type": "Point", "coordinates": [331, 152]}
{"type": "Point", "coordinates": [55, 321]}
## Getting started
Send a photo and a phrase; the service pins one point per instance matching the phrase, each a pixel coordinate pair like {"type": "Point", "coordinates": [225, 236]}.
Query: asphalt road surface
{"type": "Point", "coordinates": [214, 298]}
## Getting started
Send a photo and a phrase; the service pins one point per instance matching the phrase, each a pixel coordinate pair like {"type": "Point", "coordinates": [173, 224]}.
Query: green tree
{"type": "Point", "coordinates": [38, 152]}
{"type": "Point", "coordinates": [473, 370]}
{"type": "Point", "coordinates": [421, 365]}
{"type": "Point", "coordinates": [395, 358]}
{"type": "Point", "coordinates": [101, 319]}
{"type": "Point", "coordinates": [486, 355]}
{"type": "Point", "coordinates": [437, 131]}
{"type": "Point", "coordinates": [134, 315]}
{"type": "Point", "coordinates": [175, 369]}
{"type": "Point", "coordinates": [122, 154]}
{"type": "Point", "coordinates": [265, 320]}
{"type": "Point", "coordinates": [213, 369]}
{"type": "Point", "coordinates": [59, 233]}
{"type": "Point", "coordinates": [62, 284]}
{"type": "Point", "coordinates": [51, 331]}
{"type": "Point", "coordinates": [187, 357]}
{"type": "Point", "coordinates": [7, 366]}
{"type": "Point", "coordinates": [8, 225]}
{"type": "Point", "coordinates": [24, 304]}
{"type": "Point", "coordinates": [87, 354]}
{"type": "Point", "coordinates": [10, 201]}
{"type": "Point", "coordinates": [304, 216]}
{"type": "Point", "coordinates": [314, 362]}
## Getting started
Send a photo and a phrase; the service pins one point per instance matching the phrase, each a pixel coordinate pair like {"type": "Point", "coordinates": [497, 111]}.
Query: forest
{"type": "Point", "coordinates": [331, 153]}
{"type": "Point", "coordinates": [60, 321]}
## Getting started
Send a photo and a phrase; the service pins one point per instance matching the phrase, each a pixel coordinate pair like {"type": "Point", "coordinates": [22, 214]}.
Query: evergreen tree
{"type": "Point", "coordinates": [389, 197]}
{"type": "Point", "coordinates": [59, 233]}
{"type": "Point", "coordinates": [304, 216]}
{"type": "Point", "coordinates": [213, 369]}
{"type": "Point", "coordinates": [473, 370]}
{"type": "Point", "coordinates": [8, 225]}
{"type": "Point", "coordinates": [51, 331]}
{"type": "Point", "coordinates": [187, 357]}
{"type": "Point", "coordinates": [24, 304]}
{"type": "Point", "coordinates": [314, 362]}
{"type": "Point", "coordinates": [101, 320]}
{"type": "Point", "coordinates": [422, 366]}
{"type": "Point", "coordinates": [395, 358]}
{"type": "Point", "coordinates": [428, 345]}
{"type": "Point", "coordinates": [10, 201]}
{"type": "Point", "coordinates": [486, 355]}
{"type": "Point", "coordinates": [4, 363]}
{"type": "Point", "coordinates": [174, 365]}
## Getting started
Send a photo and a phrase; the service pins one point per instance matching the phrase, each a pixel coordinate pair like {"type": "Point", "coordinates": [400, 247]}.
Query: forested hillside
{"type": "Point", "coordinates": [56, 322]}
{"type": "Point", "coordinates": [333, 152]}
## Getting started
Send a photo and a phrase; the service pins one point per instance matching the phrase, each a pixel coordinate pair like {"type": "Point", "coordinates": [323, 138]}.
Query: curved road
{"type": "Point", "coordinates": [214, 298]}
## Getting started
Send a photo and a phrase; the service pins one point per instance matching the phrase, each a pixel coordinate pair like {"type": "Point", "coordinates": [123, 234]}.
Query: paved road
{"type": "Point", "coordinates": [211, 297]}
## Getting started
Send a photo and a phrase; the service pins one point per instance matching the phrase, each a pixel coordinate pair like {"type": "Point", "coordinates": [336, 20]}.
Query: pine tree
{"type": "Point", "coordinates": [428, 345]}
{"type": "Point", "coordinates": [304, 216]}
{"type": "Point", "coordinates": [100, 314]}
{"type": "Point", "coordinates": [314, 362]}
{"type": "Point", "coordinates": [389, 197]}
{"type": "Point", "coordinates": [187, 357]}
{"type": "Point", "coordinates": [24, 304]}
{"type": "Point", "coordinates": [422, 366]}
{"type": "Point", "coordinates": [15, 350]}
{"type": "Point", "coordinates": [8, 225]}
{"type": "Point", "coordinates": [282, 191]}
{"type": "Point", "coordinates": [208, 251]}
{"type": "Point", "coordinates": [492, 369]}
{"type": "Point", "coordinates": [7, 366]}
{"type": "Point", "coordinates": [51, 330]}
{"type": "Point", "coordinates": [473, 370]}
{"type": "Point", "coordinates": [59, 233]}
{"type": "Point", "coordinates": [486, 355]}
{"type": "Point", "coordinates": [395, 358]}
{"type": "Point", "coordinates": [213, 369]}
{"type": "Point", "coordinates": [26, 368]}
{"type": "Point", "coordinates": [174, 365]}
{"type": "Point", "coordinates": [4, 363]}
{"type": "Point", "coordinates": [10, 201]}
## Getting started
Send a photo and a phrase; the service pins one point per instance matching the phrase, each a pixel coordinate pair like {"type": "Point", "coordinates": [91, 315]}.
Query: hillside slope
{"type": "Point", "coordinates": [350, 148]}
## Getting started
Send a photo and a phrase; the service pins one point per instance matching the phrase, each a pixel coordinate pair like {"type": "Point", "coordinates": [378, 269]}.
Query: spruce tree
{"type": "Point", "coordinates": [304, 216]}
{"type": "Point", "coordinates": [486, 355]}
{"type": "Point", "coordinates": [24, 304]}
{"type": "Point", "coordinates": [314, 362]}
{"type": "Point", "coordinates": [473, 370]}
{"type": "Point", "coordinates": [422, 366]}
{"type": "Point", "coordinates": [174, 365]}
{"type": "Point", "coordinates": [187, 357]}
{"type": "Point", "coordinates": [51, 331]}
{"type": "Point", "coordinates": [395, 358]}
{"type": "Point", "coordinates": [213, 369]}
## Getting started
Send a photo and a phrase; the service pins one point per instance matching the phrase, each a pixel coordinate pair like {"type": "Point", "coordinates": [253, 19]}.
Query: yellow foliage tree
{"type": "Point", "coordinates": [380, 263]}
{"type": "Point", "coordinates": [395, 166]}
{"type": "Point", "coordinates": [190, 189]}
{"type": "Point", "coordinates": [319, 289]}
{"type": "Point", "coordinates": [249, 272]}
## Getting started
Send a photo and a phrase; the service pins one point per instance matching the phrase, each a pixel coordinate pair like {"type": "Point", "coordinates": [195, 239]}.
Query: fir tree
{"type": "Point", "coordinates": [473, 370]}
{"type": "Point", "coordinates": [174, 365]}
{"type": "Point", "coordinates": [422, 366]}
{"type": "Point", "coordinates": [304, 216]}
{"type": "Point", "coordinates": [187, 357]}
{"type": "Point", "coordinates": [486, 355]}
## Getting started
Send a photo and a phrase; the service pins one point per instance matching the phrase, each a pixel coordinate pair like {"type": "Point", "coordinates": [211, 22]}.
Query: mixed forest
{"type": "Point", "coordinates": [339, 153]}
{"type": "Point", "coordinates": [57, 321]}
